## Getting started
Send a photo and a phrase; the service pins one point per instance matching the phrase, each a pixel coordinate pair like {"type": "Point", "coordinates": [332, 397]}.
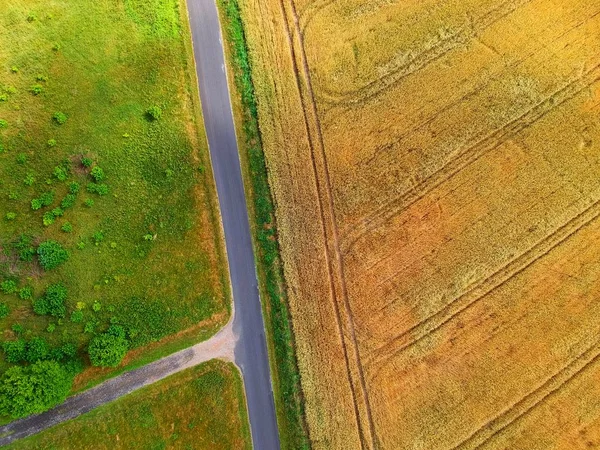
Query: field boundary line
{"type": "Point", "coordinates": [329, 264]}
{"type": "Point", "coordinates": [434, 322]}
{"type": "Point", "coordinates": [527, 404]}
{"type": "Point", "coordinates": [467, 156]}
{"type": "Point", "coordinates": [335, 262]}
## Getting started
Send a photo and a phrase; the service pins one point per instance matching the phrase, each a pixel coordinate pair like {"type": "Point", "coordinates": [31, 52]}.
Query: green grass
{"type": "Point", "coordinates": [148, 254]}
{"type": "Point", "coordinates": [286, 377]}
{"type": "Point", "coordinates": [200, 408]}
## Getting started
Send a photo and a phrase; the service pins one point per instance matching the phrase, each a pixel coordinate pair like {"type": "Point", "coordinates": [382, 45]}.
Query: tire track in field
{"type": "Point", "coordinates": [467, 156]}
{"type": "Point", "coordinates": [319, 190]}
{"type": "Point", "coordinates": [527, 404]}
{"type": "Point", "coordinates": [433, 323]}
{"type": "Point", "coordinates": [370, 434]}
{"type": "Point", "coordinates": [423, 59]}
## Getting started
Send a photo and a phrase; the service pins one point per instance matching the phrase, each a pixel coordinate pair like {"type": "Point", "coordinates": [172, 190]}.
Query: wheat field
{"type": "Point", "coordinates": [436, 170]}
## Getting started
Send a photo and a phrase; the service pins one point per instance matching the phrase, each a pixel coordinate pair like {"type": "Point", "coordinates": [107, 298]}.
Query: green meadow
{"type": "Point", "coordinates": [109, 235]}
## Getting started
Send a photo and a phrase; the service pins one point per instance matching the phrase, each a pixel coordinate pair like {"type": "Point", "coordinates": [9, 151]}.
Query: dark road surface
{"type": "Point", "coordinates": [251, 348]}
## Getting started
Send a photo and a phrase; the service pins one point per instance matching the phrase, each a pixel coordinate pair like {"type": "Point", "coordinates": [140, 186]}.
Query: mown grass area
{"type": "Point", "coordinates": [102, 152]}
{"type": "Point", "coordinates": [286, 377]}
{"type": "Point", "coordinates": [200, 408]}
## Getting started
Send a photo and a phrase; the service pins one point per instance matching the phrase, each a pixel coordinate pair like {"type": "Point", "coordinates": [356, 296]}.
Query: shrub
{"type": "Point", "coordinates": [37, 350]}
{"type": "Point", "coordinates": [8, 287]}
{"type": "Point", "coordinates": [53, 301]}
{"type": "Point", "coordinates": [29, 179]}
{"type": "Point", "coordinates": [14, 351]}
{"type": "Point", "coordinates": [36, 204]}
{"type": "Point", "coordinates": [77, 316]}
{"type": "Point", "coordinates": [74, 187]}
{"type": "Point", "coordinates": [108, 349]}
{"type": "Point", "coordinates": [3, 97]}
{"type": "Point", "coordinates": [96, 306]}
{"type": "Point", "coordinates": [51, 327]}
{"type": "Point", "coordinates": [40, 77]}
{"type": "Point", "coordinates": [4, 310]}
{"type": "Point", "coordinates": [60, 173]}
{"type": "Point", "coordinates": [25, 248]}
{"type": "Point", "coordinates": [97, 174]}
{"type": "Point", "coordinates": [68, 201]}
{"type": "Point", "coordinates": [36, 89]}
{"type": "Point", "coordinates": [89, 202]}
{"type": "Point", "coordinates": [11, 215]}
{"type": "Point", "coordinates": [17, 328]}
{"type": "Point", "coordinates": [67, 227]}
{"type": "Point", "coordinates": [21, 158]}
{"type": "Point", "coordinates": [26, 293]}
{"type": "Point", "coordinates": [47, 198]}
{"type": "Point", "coordinates": [33, 389]}
{"type": "Point", "coordinates": [59, 117]}
{"type": "Point", "coordinates": [31, 17]}
{"type": "Point", "coordinates": [48, 218]}
{"type": "Point", "coordinates": [3, 123]}
{"type": "Point", "coordinates": [14, 69]}
{"type": "Point", "coordinates": [56, 47]}
{"type": "Point", "coordinates": [58, 212]}
{"type": "Point", "coordinates": [51, 254]}
{"type": "Point", "coordinates": [154, 113]}
{"type": "Point", "coordinates": [51, 143]}
{"type": "Point", "coordinates": [100, 189]}
{"type": "Point", "coordinates": [98, 237]}
{"type": "Point", "coordinates": [86, 162]}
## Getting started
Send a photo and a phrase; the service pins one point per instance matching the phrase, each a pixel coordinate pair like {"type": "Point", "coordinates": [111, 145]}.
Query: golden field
{"type": "Point", "coordinates": [436, 170]}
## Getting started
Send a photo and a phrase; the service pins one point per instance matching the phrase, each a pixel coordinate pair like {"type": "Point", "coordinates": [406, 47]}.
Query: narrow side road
{"type": "Point", "coordinates": [243, 338]}
{"type": "Point", "coordinates": [251, 349]}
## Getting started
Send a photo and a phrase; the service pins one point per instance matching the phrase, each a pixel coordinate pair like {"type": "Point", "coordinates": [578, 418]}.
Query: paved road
{"type": "Point", "coordinates": [246, 332]}
{"type": "Point", "coordinates": [251, 349]}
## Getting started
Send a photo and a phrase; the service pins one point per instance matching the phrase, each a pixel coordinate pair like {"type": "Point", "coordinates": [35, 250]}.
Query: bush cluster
{"type": "Point", "coordinates": [53, 301]}
{"type": "Point", "coordinates": [51, 254]}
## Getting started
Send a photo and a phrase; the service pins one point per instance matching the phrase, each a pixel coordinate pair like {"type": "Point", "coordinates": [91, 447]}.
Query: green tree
{"type": "Point", "coordinates": [53, 301]}
{"type": "Point", "coordinates": [51, 254]}
{"type": "Point", "coordinates": [33, 389]}
{"type": "Point", "coordinates": [108, 349]}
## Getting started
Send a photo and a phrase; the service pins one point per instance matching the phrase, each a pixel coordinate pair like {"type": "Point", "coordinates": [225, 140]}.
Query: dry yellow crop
{"type": "Point", "coordinates": [436, 170]}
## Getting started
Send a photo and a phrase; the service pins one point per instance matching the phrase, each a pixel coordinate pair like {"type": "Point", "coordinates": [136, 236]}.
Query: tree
{"type": "Point", "coordinates": [53, 301]}
{"type": "Point", "coordinates": [51, 254]}
{"type": "Point", "coordinates": [154, 113]}
{"type": "Point", "coordinates": [37, 350]}
{"type": "Point", "coordinates": [108, 349]}
{"type": "Point", "coordinates": [33, 389]}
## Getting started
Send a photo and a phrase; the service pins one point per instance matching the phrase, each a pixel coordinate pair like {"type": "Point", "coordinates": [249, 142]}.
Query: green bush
{"type": "Point", "coordinates": [33, 389]}
{"type": "Point", "coordinates": [26, 293]}
{"type": "Point", "coordinates": [108, 349]}
{"type": "Point", "coordinates": [21, 158]}
{"type": "Point", "coordinates": [61, 173]}
{"type": "Point", "coordinates": [67, 227]}
{"type": "Point", "coordinates": [59, 118]}
{"type": "Point", "coordinates": [89, 202]}
{"type": "Point", "coordinates": [154, 113]}
{"type": "Point", "coordinates": [36, 89]}
{"type": "Point", "coordinates": [97, 174]}
{"type": "Point", "coordinates": [51, 143]}
{"type": "Point", "coordinates": [68, 201]}
{"type": "Point", "coordinates": [36, 204]}
{"type": "Point", "coordinates": [77, 316]}
{"type": "Point", "coordinates": [4, 310]}
{"type": "Point", "coordinates": [86, 162]}
{"type": "Point", "coordinates": [14, 351]}
{"type": "Point", "coordinates": [25, 249]}
{"type": "Point", "coordinates": [11, 215]}
{"type": "Point", "coordinates": [29, 179]}
{"type": "Point", "coordinates": [51, 254]}
{"type": "Point", "coordinates": [40, 77]}
{"type": "Point", "coordinates": [8, 287]}
{"type": "Point", "coordinates": [48, 218]}
{"type": "Point", "coordinates": [74, 187]}
{"type": "Point", "coordinates": [100, 189]}
{"type": "Point", "coordinates": [37, 350]}
{"type": "Point", "coordinates": [53, 301]}
{"type": "Point", "coordinates": [3, 123]}
{"type": "Point", "coordinates": [47, 198]}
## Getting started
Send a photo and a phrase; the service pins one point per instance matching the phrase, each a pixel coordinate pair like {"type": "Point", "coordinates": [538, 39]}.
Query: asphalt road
{"type": "Point", "coordinates": [251, 349]}
{"type": "Point", "coordinates": [247, 328]}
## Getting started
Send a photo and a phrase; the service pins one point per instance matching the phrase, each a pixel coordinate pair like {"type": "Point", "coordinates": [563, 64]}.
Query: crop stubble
{"type": "Point", "coordinates": [435, 170]}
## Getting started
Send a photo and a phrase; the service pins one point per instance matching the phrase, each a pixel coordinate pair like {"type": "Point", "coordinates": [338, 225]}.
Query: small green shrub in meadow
{"type": "Point", "coordinates": [8, 287]}
{"type": "Point", "coordinates": [154, 113]}
{"type": "Point", "coordinates": [60, 118]}
{"type": "Point", "coordinates": [53, 301]}
{"type": "Point", "coordinates": [36, 89]}
{"type": "Point", "coordinates": [51, 143]}
{"type": "Point", "coordinates": [26, 293]}
{"type": "Point", "coordinates": [97, 174]}
{"type": "Point", "coordinates": [11, 215]}
{"type": "Point", "coordinates": [108, 349]}
{"type": "Point", "coordinates": [51, 254]}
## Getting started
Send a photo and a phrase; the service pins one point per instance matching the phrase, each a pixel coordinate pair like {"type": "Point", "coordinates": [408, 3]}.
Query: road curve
{"type": "Point", "coordinates": [242, 339]}
{"type": "Point", "coordinates": [251, 348]}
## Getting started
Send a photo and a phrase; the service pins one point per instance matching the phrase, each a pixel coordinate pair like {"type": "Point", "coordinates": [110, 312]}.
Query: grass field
{"type": "Point", "coordinates": [200, 408]}
{"type": "Point", "coordinates": [435, 170]}
{"type": "Point", "coordinates": [102, 150]}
